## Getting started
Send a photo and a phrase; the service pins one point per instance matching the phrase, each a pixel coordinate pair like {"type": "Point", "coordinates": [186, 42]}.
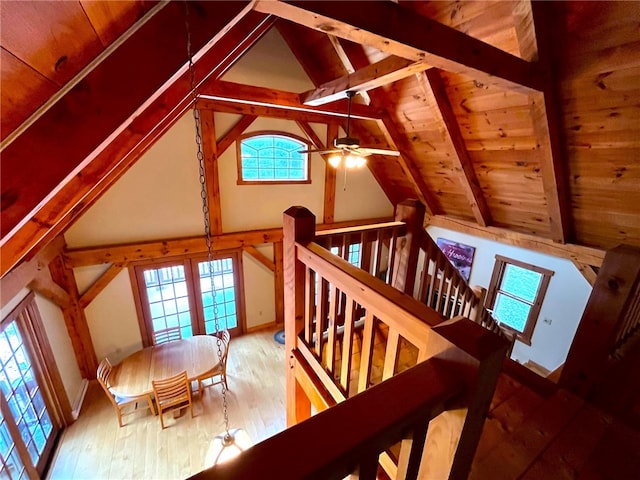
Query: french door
{"type": "Point", "coordinates": [28, 427]}
{"type": "Point", "coordinates": [180, 293]}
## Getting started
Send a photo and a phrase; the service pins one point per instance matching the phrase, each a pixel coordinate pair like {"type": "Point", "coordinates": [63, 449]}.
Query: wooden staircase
{"type": "Point", "coordinates": [552, 435]}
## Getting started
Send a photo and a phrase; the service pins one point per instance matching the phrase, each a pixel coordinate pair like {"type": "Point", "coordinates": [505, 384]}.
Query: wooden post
{"type": "Point", "coordinates": [278, 280]}
{"type": "Point", "coordinates": [75, 320]}
{"type": "Point", "coordinates": [453, 436]}
{"type": "Point", "coordinates": [408, 247]}
{"type": "Point", "coordinates": [298, 224]}
{"type": "Point", "coordinates": [614, 289]}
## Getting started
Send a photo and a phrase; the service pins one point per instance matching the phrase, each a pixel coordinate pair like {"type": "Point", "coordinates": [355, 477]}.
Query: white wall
{"type": "Point", "coordinates": [563, 304]}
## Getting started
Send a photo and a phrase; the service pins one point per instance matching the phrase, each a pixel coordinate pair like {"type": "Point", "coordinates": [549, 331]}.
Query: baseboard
{"type": "Point", "coordinates": [263, 326]}
{"type": "Point", "coordinates": [77, 402]}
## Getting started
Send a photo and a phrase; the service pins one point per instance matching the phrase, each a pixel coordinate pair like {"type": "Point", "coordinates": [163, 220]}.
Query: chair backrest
{"type": "Point", "coordinates": [173, 389]}
{"type": "Point", "coordinates": [104, 370]}
{"type": "Point", "coordinates": [226, 339]}
{"type": "Point", "coordinates": [166, 335]}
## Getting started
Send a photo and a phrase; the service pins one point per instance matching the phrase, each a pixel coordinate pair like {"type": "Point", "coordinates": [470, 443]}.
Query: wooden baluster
{"type": "Point", "coordinates": [309, 304]}
{"type": "Point", "coordinates": [392, 351]}
{"type": "Point", "coordinates": [321, 315]}
{"type": "Point", "coordinates": [411, 449]}
{"type": "Point", "coordinates": [366, 352]}
{"type": "Point", "coordinates": [331, 337]}
{"type": "Point", "coordinates": [347, 346]}
{"type": "Point", "coordinates": [365, 255]}
{"type": "Point", "coordinates": [377, 259]}
{"type": "Point", "coordinates": [393, 235]}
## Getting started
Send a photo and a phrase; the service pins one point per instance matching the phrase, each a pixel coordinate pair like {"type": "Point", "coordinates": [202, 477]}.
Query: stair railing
{"type": "Point", "coordinates": [346, 330]}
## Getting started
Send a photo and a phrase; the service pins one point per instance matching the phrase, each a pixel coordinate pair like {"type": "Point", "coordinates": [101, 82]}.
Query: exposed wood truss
{"type": "Point", "coordinates": [385, 71]}
{"type": "Point", "coordinates": [396, 31]}
{"type": "Point", "coordinates": [230, 92]}
{"type": "Point", "coordinates": [433, 89]}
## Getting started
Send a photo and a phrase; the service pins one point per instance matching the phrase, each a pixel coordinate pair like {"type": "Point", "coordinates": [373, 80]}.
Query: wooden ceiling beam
{"type": "Point", "coordinates": [233, 134]}
{"type": "Point", "coordinates": [434, 91]}
{"type": "Point", "coordinates": [387, 70]}
{"type": "Point", "coordinates": [401, 32]}
{"type": "Point", "coordinates": [266, 97]}
{"type": "Point", "coordinates": [237, 108]}
{"type": "Point", "coordinates": [124, 253]}
{"type": "Point", "coordinates": [346, 62]}
{"type": "Point", "coordinates": [532, 22]}
{"type": "Point", "coordinates": [124, 146]}
{"type": "Point", "coordinates": [576, 253]}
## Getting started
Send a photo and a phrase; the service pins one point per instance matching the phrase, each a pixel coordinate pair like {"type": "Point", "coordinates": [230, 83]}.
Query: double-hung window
{"type": "Point", "coordinates": [179, 293]}
{"type": "Point", "coordinates": [272, 158]}
{"type": "Point", "coordinates": [515, 295]}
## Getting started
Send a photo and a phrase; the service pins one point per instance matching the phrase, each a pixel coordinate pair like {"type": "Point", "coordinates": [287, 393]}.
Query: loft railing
{"type": "Point", "coordinates": [404, 255]}
{"type": "Point", "coordinates": [346, 330]}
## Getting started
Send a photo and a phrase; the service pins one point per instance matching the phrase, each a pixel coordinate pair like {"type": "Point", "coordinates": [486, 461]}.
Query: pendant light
{"type": "Point", "coordinates": [231, 442]}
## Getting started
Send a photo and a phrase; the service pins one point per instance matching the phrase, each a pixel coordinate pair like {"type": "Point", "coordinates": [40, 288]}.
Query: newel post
{"type": "Point", "coordinates": [407, 247]}
{"type": "Point", "coordinates": [298, 225]}
{"type": "Point", "coordinates": [452, 437]}
{"type": "Point", "coordinates": [607, 315]}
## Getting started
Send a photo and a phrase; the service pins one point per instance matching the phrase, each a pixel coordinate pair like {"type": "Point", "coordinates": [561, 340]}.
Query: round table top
{"type": "Point", "coordinates": [197, 355]}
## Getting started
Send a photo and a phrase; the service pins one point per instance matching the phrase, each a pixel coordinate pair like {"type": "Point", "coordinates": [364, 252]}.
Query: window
{"type": "Point", "coordinates": [29, 422]}
{"type": "Point", "coordinates": [353, 254]}
{"type": "Point", "coordinates": [515, 295]}
{"type": "Point", "coordinates": [272, 157]}
{"type": "Point", "coordinates": [178, 293]}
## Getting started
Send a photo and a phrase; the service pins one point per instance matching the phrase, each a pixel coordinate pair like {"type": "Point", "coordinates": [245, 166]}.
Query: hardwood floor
{"type": "Point", "coordinates": [94, 447]}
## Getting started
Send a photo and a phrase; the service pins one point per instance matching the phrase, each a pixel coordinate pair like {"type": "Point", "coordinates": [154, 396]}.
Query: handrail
{"type": "Point", "coordinates": [359, 229]}
{"type": "Point", "coordinates": [349, 436]}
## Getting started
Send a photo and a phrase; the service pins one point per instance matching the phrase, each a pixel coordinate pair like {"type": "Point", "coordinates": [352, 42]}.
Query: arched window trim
{"type": "Point", "coordinates": [305, 145]}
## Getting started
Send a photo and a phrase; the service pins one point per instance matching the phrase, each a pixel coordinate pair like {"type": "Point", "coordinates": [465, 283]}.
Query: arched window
{"type": "Point", "coordinates": [272, 157]}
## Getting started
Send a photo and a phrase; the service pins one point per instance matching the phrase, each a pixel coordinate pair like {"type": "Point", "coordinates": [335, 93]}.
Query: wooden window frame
{"type": "Point", "coordinates": [193, 285]}
{"type": "Point", "coordinates": [532, 319]}
{"type": "Point", "coordinates": [241, 181]}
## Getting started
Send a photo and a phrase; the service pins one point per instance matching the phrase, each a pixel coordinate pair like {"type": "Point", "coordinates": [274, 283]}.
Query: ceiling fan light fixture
{"type": "Point", "coordinates": [335, 160]}
{"type": "Point", "coordinates": [352, 161]}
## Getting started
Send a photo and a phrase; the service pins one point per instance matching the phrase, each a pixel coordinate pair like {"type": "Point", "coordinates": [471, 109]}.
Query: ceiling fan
{"type": "Point", "coordinates": [348, 148]}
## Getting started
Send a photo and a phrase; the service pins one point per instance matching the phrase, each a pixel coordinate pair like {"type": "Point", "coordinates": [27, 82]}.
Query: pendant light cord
{"type": "Point", "coordinates": [207, 223]}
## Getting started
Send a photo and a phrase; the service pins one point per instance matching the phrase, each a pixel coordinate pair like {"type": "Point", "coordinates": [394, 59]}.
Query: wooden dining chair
{"type": "Point", "coordinates": [167, 335]}
{"type": "Point", "coordinates": [218, 374]}
{"type": "Point", "coordinates": [173, 393]}
{"type": "Point", "coordinates": [121, 404]}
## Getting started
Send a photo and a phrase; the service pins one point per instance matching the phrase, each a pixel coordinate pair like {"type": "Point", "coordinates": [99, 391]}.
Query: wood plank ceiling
{"type": "Point", "coordinates": [508, 115]}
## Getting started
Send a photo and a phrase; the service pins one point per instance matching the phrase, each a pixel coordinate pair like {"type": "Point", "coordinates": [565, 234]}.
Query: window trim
{"type": "Point", "coordinates": [241, 181]}
{"type": "Point", "coordinates": [193, 286]}
{"type": "Point", "coordinates": [532, 319]}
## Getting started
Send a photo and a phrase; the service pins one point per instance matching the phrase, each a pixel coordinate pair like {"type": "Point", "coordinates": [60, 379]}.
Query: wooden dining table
{"type": "Point", "coordinates": [196, 355]}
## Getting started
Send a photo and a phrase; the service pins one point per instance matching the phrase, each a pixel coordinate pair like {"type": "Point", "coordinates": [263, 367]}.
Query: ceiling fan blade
{"type": "Point", "coordinates": [333, 150]}
{"type": "Point", "coordinates": [379, 151]}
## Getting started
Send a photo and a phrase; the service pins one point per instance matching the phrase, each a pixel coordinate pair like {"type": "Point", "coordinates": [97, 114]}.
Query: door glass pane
{"type": "Point", "coordinates": [225, 294]}
{"type": "Point", "coordinates": [23, 394]}
{"type": "Point", "coordinates": [168, 298]}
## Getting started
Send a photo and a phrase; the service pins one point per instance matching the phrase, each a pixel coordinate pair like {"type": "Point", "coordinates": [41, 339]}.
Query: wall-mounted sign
{"type": "Point", "coordinates": [459, 254]}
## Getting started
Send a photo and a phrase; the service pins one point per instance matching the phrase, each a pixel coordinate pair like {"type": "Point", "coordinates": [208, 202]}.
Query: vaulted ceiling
{"type": "Point", "coordinates": [517, 117]}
